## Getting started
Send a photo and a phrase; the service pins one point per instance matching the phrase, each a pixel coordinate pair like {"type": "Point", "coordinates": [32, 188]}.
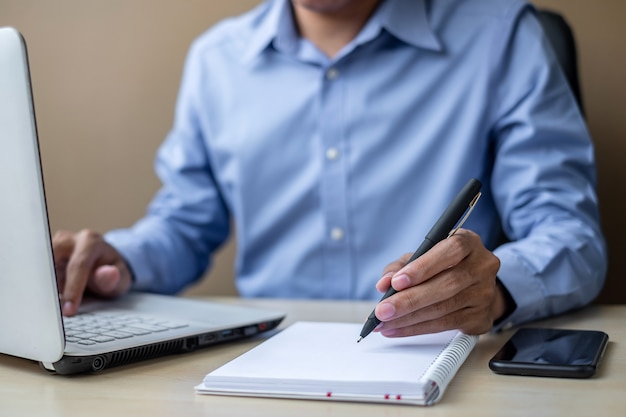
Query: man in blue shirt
{"type": "Point", "coordinates": [333, 133]}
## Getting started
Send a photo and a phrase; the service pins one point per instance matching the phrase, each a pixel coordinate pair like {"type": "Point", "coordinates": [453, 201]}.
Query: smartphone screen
{"type": "Point", "coordinates": [551, 352]}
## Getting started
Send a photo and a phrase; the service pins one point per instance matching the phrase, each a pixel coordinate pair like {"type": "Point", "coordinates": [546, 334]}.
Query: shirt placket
{"type": "Point", "coordinates": [338, 269]}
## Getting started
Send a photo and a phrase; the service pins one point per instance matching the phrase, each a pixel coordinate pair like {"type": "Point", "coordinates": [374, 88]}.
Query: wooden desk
{"type": "Point", "coordinates": [164, 387]}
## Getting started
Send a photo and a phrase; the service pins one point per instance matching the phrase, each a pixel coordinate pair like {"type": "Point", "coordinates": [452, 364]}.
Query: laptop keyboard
{"type": "Point", "coordinates": [92, 328]}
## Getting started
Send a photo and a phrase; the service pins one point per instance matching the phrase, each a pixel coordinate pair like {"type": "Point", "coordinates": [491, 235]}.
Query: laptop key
{"type": "Point", "coordinates": [89, 329]}
{"type": "Point", "coordinates": [86, 335]}
{"type": "Point", "coordinates": [149, 327]}
{"type": "Point", "coordinates": [118, 334]}
{"type": "Point", "coordinates": [135, 331]}
{"type": "Point", "coordinates": [102, 339]}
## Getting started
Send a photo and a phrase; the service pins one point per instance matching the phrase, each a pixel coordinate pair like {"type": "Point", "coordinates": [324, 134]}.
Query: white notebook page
{"type": "Point", "coordinates": [325, 358]}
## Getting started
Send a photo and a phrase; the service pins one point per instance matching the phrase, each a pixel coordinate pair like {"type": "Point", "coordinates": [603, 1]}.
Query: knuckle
{"type": "Point", "coordinates": [456, 283]}
{"type": "Point", "coordinates": [459, 247]}
{"type": "Point", "coordinates": [417, 268]}
{"type": "Point", "coordinates": [469, 235]}
{"type": "Point", "coordinates": [88, 235]}
{"type": "Point", "coordinates": [412, 301]}
{"type": "Point", "coordinates": [62, 236]}
{"type": "Point", "coordinates": [494, 264]}
{"type": "Point", "coordinates": [457, 244]}
{"type": "Point", "coordinates": [59, 234]}
{"type": "Point", "coordinates": [442, 309]}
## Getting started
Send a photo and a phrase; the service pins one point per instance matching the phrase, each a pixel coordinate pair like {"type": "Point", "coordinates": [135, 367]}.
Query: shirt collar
{"type": "Point", "coordinates": [407, 20]}
{"type": "Point", "coordinates": [269, 27]}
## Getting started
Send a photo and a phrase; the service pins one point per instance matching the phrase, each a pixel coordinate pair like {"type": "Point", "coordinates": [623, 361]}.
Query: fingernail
{"type": "Point", "coordinates": [400, 282]}
{"type": "Point", "coordinates": [385, 311]}
{"type": "Point", "coordinates": [377, 328]}
{"type": "Point", "coordinates": [68, 307]}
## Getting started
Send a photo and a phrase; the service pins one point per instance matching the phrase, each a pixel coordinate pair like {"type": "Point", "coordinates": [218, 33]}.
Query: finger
{"type": "Point", "coordinates": [468, 285]}
{"type": "Point", "coordinates": [477, 300]}
{"type": "Point", "coordinates": [440, 257]}
{"type": "Point", "coordinates": [62, 247]}
{"type": "Point", "coordinates": [411, 301]}
{"type": "Point", "coordinates": [79, 268]}
{"type": "Point", "coordinates": [59, 272]}
{"type": "Point", "coordinates": [105, 280]}
{"type": "Point", "coordinates": [438, 298]}
{"type": "Point", "coordinates": [468, 320]}
{"type": "Point", "coordinates": [383, 283]}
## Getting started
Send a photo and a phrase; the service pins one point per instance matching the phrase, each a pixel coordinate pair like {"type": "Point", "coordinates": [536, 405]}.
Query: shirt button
{"type": "Point", "coordinates": [332, 154]}
{"type": "Point", "coordinates": [336, 233]}
{"type": "Point", "coordinates": [332, 74]}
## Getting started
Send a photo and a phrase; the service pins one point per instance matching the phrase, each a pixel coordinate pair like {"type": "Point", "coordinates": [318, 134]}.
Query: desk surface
{"type": "Point", "coordinates": [164, 387]}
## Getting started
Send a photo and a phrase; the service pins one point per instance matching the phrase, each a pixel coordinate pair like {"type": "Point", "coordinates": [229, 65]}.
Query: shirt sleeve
{"type": "Point", "coordinates": [187, 219]}
{"type": "Point", "coordinates": [543, 181]}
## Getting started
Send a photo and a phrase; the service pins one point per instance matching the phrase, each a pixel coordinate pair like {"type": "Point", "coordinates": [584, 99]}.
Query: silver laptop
{"type": "Point", "coordinates": [105, 333]}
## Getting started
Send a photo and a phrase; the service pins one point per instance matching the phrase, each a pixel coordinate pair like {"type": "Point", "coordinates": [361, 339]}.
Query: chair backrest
{"type": "Point", "coordinates": [562, 39]}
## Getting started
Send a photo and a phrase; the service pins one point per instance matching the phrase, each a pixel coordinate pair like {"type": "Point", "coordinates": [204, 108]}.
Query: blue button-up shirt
{"type": "Point", "coordinates": [330, 168]}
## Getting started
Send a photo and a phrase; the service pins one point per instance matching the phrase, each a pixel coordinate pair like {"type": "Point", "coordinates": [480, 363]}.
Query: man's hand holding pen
{"type": "Point", "coordinates": [451, 286]}
{"type": "Point", "coordinates": [449, 282]}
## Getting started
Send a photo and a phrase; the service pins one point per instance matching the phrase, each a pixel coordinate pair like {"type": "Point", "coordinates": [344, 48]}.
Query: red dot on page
{"type": "Point", "coordinates": [329, 394]}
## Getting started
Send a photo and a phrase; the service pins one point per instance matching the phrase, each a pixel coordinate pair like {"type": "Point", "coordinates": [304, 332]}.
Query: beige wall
{"type": "Point", "coordinates": [106, 73]}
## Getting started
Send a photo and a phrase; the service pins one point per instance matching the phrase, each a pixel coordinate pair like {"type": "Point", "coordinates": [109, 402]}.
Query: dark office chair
{"type": "Point", "coordinates": [562, 39]}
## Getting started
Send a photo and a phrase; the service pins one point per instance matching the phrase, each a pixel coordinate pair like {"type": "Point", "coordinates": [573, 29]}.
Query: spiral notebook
{"type": "Point", "coordinates": [314, 360]}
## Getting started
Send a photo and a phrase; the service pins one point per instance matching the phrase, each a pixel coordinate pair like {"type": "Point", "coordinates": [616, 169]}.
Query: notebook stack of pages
{"type": "Point", "coordinates": [311, 360]}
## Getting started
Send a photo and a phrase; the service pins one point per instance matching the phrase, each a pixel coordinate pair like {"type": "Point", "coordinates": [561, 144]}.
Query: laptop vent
{"type": "Point", "coordinates": [144, 352]}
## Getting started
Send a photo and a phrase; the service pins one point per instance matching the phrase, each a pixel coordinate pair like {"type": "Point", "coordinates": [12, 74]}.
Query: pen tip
{"type": "Point", "coordinates": [360, 338]}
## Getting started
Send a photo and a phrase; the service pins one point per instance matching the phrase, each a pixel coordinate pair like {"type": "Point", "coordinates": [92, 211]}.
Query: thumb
{"type": "Point", "coordinates": [106, 280]}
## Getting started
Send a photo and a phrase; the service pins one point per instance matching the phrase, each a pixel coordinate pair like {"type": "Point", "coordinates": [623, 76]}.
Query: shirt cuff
{"type": "Point", "coordinates": [509, 303]}
{"type": "Point", "coordinates": [128, 249]}
{"type": "Point", "coordinates": [523, 286]}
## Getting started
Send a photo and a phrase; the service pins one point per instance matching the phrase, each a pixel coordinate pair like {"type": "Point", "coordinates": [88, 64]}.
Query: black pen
{"type": "Point", "coordinates": [462, 204]}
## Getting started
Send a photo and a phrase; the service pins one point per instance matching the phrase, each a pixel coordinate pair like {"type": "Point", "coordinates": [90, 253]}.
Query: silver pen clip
{"type": "Point", "coordinates": [472, 204]}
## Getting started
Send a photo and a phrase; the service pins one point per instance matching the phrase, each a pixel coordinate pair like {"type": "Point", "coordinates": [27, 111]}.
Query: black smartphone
{"type": "Point", "coordinates": [558, 353]}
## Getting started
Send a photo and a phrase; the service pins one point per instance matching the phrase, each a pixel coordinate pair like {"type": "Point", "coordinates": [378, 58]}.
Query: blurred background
{"type": "Point", "coordinates": [105, 75]}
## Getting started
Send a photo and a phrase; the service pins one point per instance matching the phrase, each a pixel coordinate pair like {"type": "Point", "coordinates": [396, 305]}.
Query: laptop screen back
{"type": "Point", "coordinates": [30, 318]}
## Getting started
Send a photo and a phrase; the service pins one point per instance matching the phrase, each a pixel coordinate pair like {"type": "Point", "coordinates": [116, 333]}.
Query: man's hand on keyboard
{"type": "Point", "coordinates": [85, 262]}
